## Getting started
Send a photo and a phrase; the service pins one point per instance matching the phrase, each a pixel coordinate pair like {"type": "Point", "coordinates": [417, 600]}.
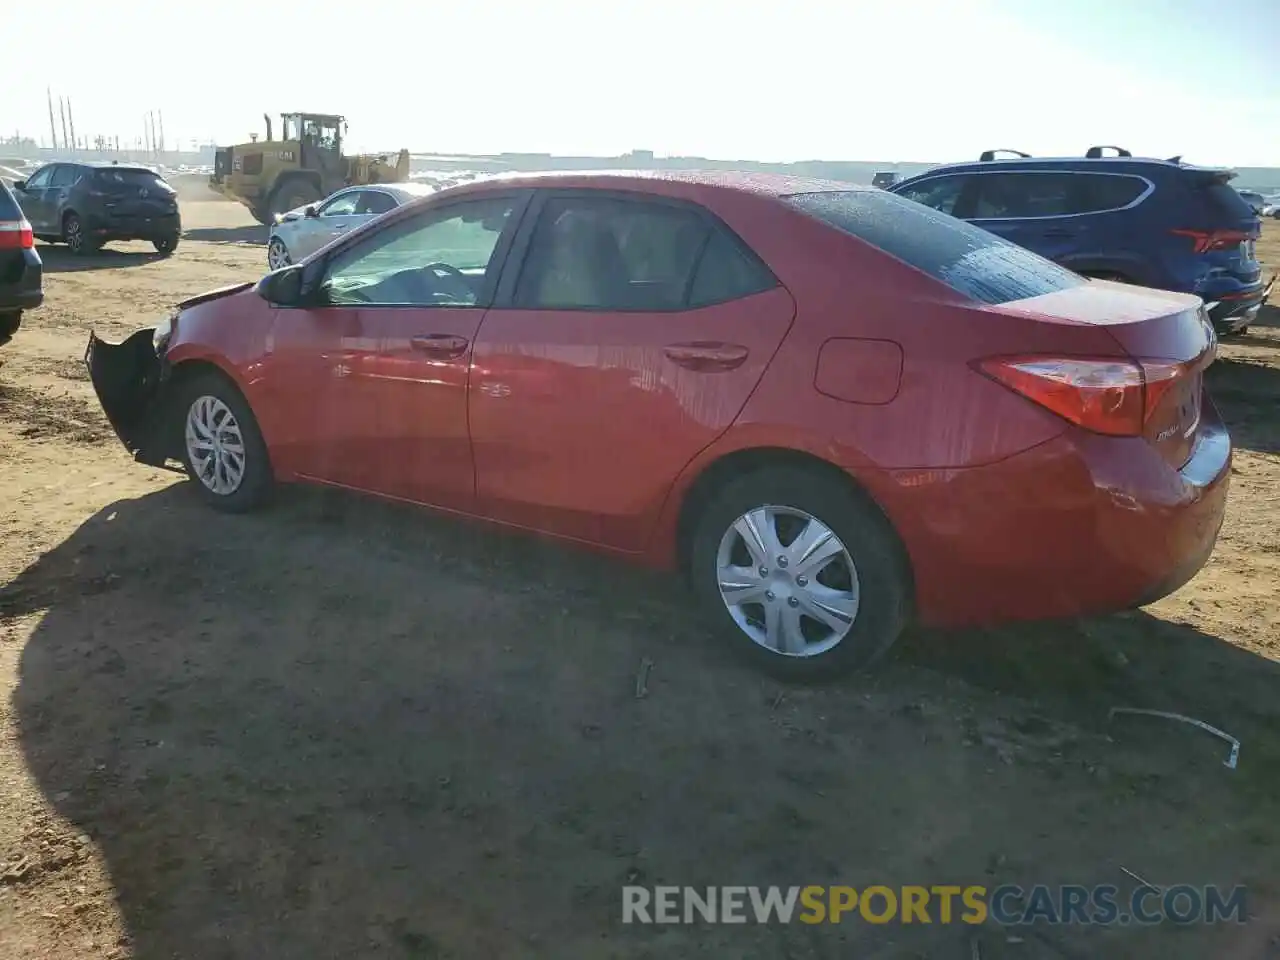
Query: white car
{"type": "Point", "coordinates": [301, 232]}
{"type": "Point", "coordinates": [1272, 209]}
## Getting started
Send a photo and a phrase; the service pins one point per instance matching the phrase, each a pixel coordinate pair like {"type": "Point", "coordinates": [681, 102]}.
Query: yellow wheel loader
{"type": "Point", "coordinates": [305, 165]}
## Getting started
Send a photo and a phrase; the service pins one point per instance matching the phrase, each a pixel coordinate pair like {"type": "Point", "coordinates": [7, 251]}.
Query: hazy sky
{"type": "Point", "coordinates": [751, 79]}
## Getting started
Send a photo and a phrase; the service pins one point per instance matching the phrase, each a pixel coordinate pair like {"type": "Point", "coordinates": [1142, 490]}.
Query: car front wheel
{"type": "Point", "coordinates": [165, 245]}
{"type": "Point", "coordinates": [799, 573]}
{"type": "Point", "coordinates": [277, 254]}
{"type": "Point", "coordinates": [222, 447]}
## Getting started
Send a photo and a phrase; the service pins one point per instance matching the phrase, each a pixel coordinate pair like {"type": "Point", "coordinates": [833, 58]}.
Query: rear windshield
{"type": "Point", "coordinates": [1226, 201]}
{"type": "Point", "coordinates": [9, 209]}
{"type": "Point", "coordinates": [133, 178]}
{"type": "Point", "coordinates": [967, 258]}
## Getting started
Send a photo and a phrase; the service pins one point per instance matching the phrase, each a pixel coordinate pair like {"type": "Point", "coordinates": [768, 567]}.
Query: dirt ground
{"type": "Point", "coordinates": [345, 729]}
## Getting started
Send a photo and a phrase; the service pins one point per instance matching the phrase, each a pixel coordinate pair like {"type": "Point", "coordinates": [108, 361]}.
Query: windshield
{"type": "Point", "coordinates": [967, 258]}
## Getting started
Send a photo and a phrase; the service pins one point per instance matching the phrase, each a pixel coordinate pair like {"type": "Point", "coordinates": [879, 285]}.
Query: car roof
{"type": "Point", "coordinates": [1071, 164]}
{"type": "Point", "coordinates": [675, 183]}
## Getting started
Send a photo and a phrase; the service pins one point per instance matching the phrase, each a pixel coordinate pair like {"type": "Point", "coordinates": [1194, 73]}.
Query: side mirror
{"type": "Point", "coordinates": [20, 185]}
{"type": "Point", "coordinates": [311, 212]}
{"type": "Point", "coordinates": [282, 287]}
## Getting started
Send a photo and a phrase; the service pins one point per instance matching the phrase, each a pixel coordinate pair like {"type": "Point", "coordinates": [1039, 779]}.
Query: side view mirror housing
{"type": "Point", "coordinates": [283, 287]}
{"type": "Point", "coordinates": [20, 185]}
{"type": "Point", "coordinates": [311, 212]}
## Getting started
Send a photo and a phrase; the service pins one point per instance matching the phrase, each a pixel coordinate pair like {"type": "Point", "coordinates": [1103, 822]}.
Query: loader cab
{"type": "Point", "coordinates": [319, 139]}
{"type": "Point", "coordinates": [315, 130]}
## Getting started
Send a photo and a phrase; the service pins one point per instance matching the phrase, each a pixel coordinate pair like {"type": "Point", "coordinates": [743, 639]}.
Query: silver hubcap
{"type": "Point", "coordinates": [788, 581]}
{"type": "Point", "coordinates": [73, 234]}
{"type": "Point", "coordinates": [277, 255]}
{"type": "Point", "coordinates": [215, 446]}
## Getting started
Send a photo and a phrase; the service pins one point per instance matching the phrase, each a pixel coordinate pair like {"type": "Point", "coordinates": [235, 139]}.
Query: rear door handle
{"type": "Point", "coordinates": [440, 344]}
{"type": "Point", "coordinates": [706, 356]}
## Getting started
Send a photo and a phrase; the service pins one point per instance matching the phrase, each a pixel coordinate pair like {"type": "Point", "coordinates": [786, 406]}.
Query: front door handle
{"type": "Point", "coordinates": [706, 356]}
{"type": "Point", "coordinates": [440, 344]}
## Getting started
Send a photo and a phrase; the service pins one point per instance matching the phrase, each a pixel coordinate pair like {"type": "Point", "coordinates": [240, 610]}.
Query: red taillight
{"type": "Point", "coordinates": [16, 235]}
{"type": "Point", "coordinates": [1113, 397]}
{"type": "Point", "coordinates": [1206, 241]}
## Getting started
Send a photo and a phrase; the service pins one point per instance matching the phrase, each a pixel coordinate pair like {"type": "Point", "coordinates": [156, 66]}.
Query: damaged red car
{"type": "Point", "coordinates": [834, 409]}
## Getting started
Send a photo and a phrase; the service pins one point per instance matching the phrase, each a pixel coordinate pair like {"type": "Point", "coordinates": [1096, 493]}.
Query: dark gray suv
{"type": "Point", "coordinates": [85, 205]}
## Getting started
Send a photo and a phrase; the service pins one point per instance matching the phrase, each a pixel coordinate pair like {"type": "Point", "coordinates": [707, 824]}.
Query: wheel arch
{"type": "Point", "coordinates": [714, 474]}
{"type": "Point", "coordinates": [185, 369]}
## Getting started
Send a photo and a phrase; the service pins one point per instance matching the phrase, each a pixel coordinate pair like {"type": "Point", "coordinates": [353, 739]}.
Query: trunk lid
{"type": "Point", "coordinates": [1168, 335]}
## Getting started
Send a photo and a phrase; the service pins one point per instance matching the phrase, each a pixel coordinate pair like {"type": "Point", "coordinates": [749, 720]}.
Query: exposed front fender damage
{"type": "Point", "coordinates": [129, 379]}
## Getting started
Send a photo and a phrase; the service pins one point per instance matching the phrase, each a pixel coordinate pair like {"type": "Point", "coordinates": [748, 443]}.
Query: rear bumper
{"type": "Point", "coordinates": [1234, 311]}
{"type": "Point", "coordinates": [1082, 525]}
{"type": "Point", "coordinates": [130, 380]}
{"type": "Point", "coordinates": [158, 227]}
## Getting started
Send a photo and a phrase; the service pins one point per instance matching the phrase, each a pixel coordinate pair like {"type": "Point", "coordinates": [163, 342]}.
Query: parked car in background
{"type": "Point", "coordinates": [299, 233]}
{"type": "Point", "coordinates": [833, 408]}
{"type": "Point", "coordinates": [1272, 209]}
{"type": "Point", "coordinates": [1255, 200]}
{"type": "Point", "coordinates": [21, 281]}
{"type": "Point", "coordinates": [1157, 223]}
{"type": "Point", "coordinates": [85, 205]}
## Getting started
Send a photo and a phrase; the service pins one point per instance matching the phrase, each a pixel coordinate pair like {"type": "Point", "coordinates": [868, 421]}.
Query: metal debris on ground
{"type": "Point", "coordinates": [1232, 758]}
{"type": "Point", "coordinates": [642, 678]}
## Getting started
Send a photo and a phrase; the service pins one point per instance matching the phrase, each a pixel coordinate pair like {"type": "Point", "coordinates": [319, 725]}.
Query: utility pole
{"type": "Point", "coordinates": [160, 114]}
{"type": "Point", "coordinates": [146, 133]}
{"type": "Point", "coordinates": [53, 129]}
{"type": "Point", "coordinates": [75, 144]}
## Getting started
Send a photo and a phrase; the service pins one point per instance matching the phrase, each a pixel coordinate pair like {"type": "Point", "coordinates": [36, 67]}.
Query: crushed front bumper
{"type": "Point", "coordinates": [130, 380]}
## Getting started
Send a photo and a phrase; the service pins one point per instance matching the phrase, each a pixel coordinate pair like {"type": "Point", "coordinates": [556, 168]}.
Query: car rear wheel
{"type": "Point", "coordinates": [74, 236]}
{"type": "Point", "coordinates": [277, 254]}
{"type": "Point", "coordinates": [222, 447]}
{"type": "Point", "coordinates": [165, 245]}
{"type": "Point", "coordinates": [800, 574]}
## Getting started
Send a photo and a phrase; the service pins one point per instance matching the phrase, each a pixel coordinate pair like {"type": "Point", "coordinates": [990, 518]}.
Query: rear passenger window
{"type": "Point", "coordinates": [1018, 195]}
{"type": "Point", "coordinates": [605, 253]}
{"type": "Point", "coordinates": [942, 194]}
{"type": "Point", "coordinates": [727, 272]}
{"type": "Point", "coordinates": [375, 202]}
{"type": "Point", "coordinates": [1100, 192]}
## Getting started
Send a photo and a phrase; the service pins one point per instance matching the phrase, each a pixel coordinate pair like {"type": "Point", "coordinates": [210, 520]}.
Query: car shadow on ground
{"type": "Point", "coordinates": [341, 728]}
{"type": "Point", "coordinates": [58, 259]}
{"type": "Point", "coordinates": [1247, 394]}
{"type": "Point", "coordinates": [255, 235]}
{"type": "Point", "coordinates": [1268, 316]}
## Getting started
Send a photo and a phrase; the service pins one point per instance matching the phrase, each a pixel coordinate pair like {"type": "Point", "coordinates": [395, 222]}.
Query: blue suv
{"type": "Point", "coordinates": [1158, 223]}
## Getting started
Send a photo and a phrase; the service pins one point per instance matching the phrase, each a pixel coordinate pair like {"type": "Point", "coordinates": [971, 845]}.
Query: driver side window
{"type": "Point", "coordinates": [440, 258]}
{"type": "Point", "coordinates": [41, 179]}
{"type": "Point", "coordinates": [341, 206]}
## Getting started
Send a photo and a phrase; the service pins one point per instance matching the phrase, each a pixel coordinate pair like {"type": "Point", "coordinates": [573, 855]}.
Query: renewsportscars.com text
{"type": "Point", "coordinates": [1006, 905]}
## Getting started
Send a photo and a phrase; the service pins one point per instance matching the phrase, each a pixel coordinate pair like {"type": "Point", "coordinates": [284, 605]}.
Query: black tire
{"type": "Point", "coordinates": [74, 237]}
{"type": "Point", "coordinates": [10, 321]}
{"type": "Point", "coordinates": [883, 574]}
{"type": "Point", "coordinates": [165, 245]}
{"type": "Point", "coordinates": [255, 486]}
{"type": "Point", "coordinates": [276, 249]}
{"type": "Point", "coordinates": [292, 193]}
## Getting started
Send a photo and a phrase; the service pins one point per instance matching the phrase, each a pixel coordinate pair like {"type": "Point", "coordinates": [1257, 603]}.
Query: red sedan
{"type": "Point", "coordinates": [835, 409]}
